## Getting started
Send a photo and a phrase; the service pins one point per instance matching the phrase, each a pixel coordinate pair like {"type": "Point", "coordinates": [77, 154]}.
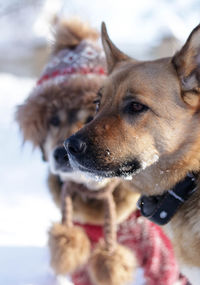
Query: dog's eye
{"type": "Point", "coordinates": [97, 103]}
{"type": "Point", "coordinates": [89, 119]}
{"type": "Point", "coordinates": [54, 121]}
{"type": "Point", "coordinates": [134, 107]}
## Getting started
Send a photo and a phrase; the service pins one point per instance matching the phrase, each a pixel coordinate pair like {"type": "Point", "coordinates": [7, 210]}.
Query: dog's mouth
{"type": "Point", "coordinates": [60, 165]}
{"type": "Point", "coordinates": [86, 157]}
{"type": "Point", "coordinates": [124, 170]}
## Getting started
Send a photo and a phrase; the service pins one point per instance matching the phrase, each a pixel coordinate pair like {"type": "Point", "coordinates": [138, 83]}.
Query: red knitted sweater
{"type": "Point", "coordinates": [151, 246]}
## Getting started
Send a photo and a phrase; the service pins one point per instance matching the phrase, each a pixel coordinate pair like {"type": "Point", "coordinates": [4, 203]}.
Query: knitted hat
{"type": "Point", "coordinates": [153, 249]}
{"type": "Point", "coordinates": [86, 59]}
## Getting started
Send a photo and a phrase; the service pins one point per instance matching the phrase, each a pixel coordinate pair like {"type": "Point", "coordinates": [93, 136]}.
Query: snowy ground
{"type": "Point", "coordinates": [26, 208]}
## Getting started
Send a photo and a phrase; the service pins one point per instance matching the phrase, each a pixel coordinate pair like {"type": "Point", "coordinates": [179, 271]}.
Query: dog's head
{"type": "Point", "coordinates": [147, 116]}
{"type": "Point", "coordinates": [59, 111]}
{"type": "Point", "coordinates": [62, 101]}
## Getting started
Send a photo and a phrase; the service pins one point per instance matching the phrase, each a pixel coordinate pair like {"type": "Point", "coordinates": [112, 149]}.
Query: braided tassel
{"type": "Point", "coordinates": [111, 263]}
{"type": "Point", "coordinates": [69, 245]}
{"type": "Point", "coordinates": [110, 227]}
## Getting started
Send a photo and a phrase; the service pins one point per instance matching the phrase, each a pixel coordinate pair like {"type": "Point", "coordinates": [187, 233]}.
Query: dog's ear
{"type": "Point", "coordinates": [29, 116]}
{"type": "Point", "coordinates": [113, 54]}
{"type": "Point", "coordinates": [187, 65]}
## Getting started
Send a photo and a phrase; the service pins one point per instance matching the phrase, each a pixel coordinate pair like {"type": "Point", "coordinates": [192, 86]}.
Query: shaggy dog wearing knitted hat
{"type": "Point", "coordinates": [60, 104]}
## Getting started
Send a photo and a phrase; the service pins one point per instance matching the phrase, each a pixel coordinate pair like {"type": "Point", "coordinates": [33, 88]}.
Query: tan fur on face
{"type": "Point", "coordinates": [158, 132]}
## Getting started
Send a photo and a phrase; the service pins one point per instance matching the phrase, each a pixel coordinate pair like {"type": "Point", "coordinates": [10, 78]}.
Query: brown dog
{"type": "Point", "coordinates": [147, 129]}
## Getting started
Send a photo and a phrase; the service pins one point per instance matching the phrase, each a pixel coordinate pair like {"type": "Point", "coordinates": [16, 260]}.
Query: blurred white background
{"type": "Point", "coordinates": [143, 29]}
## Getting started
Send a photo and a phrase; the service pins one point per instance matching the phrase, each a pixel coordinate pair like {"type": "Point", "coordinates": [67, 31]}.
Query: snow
{"type": "Point", "coordinates": [25, 265]}
{"type": "Point", "coordinates": [26, 209]}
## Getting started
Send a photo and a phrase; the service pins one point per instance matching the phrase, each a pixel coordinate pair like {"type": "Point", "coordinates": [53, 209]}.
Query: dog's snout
{"type": "Point", "coordinates": [60, 155]}
{"type": "Point", "coordinates": [75, 146]}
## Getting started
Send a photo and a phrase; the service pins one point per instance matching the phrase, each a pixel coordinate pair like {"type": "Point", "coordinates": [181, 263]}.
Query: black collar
{"type": "Point", "coordinates": [161, 208]}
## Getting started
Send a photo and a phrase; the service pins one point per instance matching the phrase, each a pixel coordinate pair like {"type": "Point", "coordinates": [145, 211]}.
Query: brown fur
{"type": "Point", "coordinates": [162, 141]}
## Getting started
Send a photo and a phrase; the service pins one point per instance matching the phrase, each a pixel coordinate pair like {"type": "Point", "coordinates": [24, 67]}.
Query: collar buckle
{"type": "Point", "coordinates": [161, 208]}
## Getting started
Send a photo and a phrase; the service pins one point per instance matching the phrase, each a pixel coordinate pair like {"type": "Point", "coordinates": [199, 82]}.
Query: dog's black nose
{"type": "Point", "coordinates": [60, 155]}
{"type": "Point", "coordinates": [75, 146]}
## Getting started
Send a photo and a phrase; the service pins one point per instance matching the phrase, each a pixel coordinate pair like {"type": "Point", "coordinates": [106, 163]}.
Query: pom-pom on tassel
{"type": "Point", "coordinates": [111, 263]}
{"type": "Point", "coordinates": [115, 268]}
{"type": "Point", "coordinates": [69, 248]}
{"type": "Point", "coordinates": [69, 245]}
